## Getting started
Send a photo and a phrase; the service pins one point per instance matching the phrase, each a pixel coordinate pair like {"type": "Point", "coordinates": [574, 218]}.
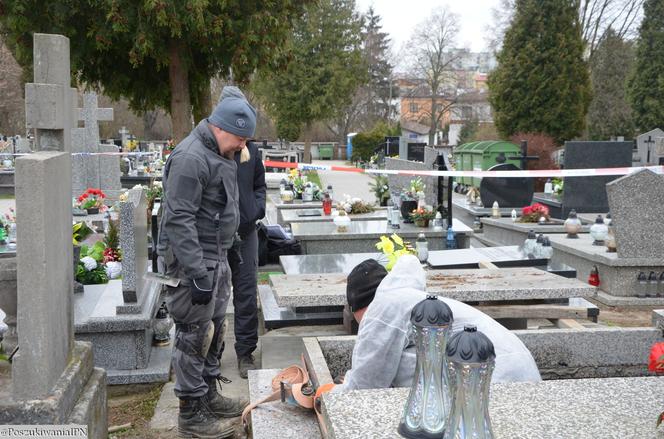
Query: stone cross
{"type": "Point", "coordinates": [124, 135]}
{"type": "Point", "coordinates": [92, 171]}
{"type": "Point", "coordinates": [50, 100]}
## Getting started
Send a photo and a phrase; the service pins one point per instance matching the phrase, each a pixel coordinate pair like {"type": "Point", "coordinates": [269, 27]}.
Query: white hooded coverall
{"type": "Point", "coordinates": [384, 353]}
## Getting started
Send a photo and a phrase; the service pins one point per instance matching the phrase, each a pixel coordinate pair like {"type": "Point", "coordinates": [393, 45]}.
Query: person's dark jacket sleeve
{"type": "Point", "coordinates": [184, 189]}
{"type": "Point", "coordinates": [259, 186]}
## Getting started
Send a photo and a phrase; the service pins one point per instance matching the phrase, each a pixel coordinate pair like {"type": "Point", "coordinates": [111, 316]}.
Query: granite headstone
{"type": "Point", "coordinates": [133, 243]}
{"type": "Point", "coordinates": [588, 194]}
{"type": "Point", "coordinates": [646, 145]}
{"type": "Point", "coordinates": [636, 202]}
{"type": "Point", "coordinates": [508, 192]}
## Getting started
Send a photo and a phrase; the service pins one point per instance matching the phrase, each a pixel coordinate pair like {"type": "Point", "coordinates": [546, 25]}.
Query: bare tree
{"type": "Point", "coordinates": [432, 59]}
{"type": "Point", "coordinates": [595, 16]}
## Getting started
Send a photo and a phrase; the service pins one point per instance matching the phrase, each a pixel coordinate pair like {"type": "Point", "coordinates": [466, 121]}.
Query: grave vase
{"type": "Point", "coordinates": [92, 210]}
{"type": "Point", "coordinates": [407, 207]}
{"type": "Point", "coordinates": [422, 222]}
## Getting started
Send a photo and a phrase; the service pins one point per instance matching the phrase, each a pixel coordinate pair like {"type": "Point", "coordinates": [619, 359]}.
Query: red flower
{"type": "Point", "coordinates": [527, 210]}
{"type": "Point", "coordinates": [656, 361]}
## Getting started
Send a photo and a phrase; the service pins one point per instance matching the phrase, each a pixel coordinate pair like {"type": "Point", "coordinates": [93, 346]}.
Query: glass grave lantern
{"type": "Point", "coordinates": [652, 284]}
{"type": "Point", "coordinates": [599, 231]}
{"type": "Point", "coordinates": [530, 243]}
{"type": "Point", "coordinates": [471, 360]}
{"type": "Point", "coordinates": [428, 404]}
{"type": "Point", "coordinates": [161, 326]}
{"type": "Point", "coordinates": [572, 225]}
{"type": "Point", "coordinates": [422, 248]}
{"type": "Point", "coordinates": [547, 250]}
{"type": "Point", "coordinates": [642, 279]}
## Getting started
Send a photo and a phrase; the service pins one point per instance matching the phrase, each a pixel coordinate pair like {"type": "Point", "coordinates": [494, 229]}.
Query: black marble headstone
{"type": "Point", "coordinates": [391, 146]}
{"type": "Point", "coordinates": [588, 194]}
{"type": "Point", "coordinates": [508, 192]}
{"type": "Point", "coordinates": [416, 151]}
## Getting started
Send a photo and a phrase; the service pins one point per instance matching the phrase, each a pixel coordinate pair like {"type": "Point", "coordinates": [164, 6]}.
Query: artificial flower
{"type": "Point", "coordinates": [89, 263]}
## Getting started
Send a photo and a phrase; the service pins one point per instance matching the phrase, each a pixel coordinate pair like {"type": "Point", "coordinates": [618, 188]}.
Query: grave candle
{"type": "Point", "coordinates": [643, 284]}
{"type": "Point", "coordinates": [422, 247]}
{"type": "Point", "coordinates": [471, 359]}
{"type": "Point", "coordinates": [599, 231]}
{"type": "Point", "coordinates": [428, 403]}
{"type": "Point", "coordinates": [652, 284]}
{"type": "Point", "coordinates": [572, 225]}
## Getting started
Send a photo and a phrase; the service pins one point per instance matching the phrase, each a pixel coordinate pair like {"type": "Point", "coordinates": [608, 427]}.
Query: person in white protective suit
{"type": "Point", "coordinates": [384, 353]}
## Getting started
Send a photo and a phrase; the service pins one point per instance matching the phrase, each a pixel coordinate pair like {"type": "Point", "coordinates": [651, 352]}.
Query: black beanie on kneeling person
{"type": "Point", "coordinates": [363, 282]}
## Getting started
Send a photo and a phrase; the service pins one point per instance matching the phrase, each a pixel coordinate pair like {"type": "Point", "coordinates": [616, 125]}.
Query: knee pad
{"type": "Point", "coordinates": [195, 339]}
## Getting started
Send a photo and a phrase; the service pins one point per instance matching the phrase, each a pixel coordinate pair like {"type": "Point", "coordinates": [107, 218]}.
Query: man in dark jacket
{"type": "Point", "coordinates": [244, 260]}
{"type": "Point", "coordinates": [198, 226]}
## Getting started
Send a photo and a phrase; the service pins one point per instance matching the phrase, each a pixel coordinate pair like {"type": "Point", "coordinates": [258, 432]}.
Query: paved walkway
{"type": "Point", "coordinates": [354, 184]}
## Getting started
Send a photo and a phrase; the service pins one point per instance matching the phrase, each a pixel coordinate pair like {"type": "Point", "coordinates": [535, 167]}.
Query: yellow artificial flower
{"type": "Point", "coordinates": [396, 238]}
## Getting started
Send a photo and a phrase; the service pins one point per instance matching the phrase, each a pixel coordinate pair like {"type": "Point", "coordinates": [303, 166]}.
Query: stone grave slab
{"type": "Point", "coordinates": [508, 192]}
{"type": "Point", "coordinates": [618, 276]}
{"type": "Point", "coordinates": [362, 236]}
{"type": "Point", "coordinates": [588, 194]}
{"type": "Point", "coordinates": [277, 419]}
{"type": "Point", "coordinates": [503, 231]}
{"type": "Point", "coordinates": [290, 216]}
{"type": "Point", "coordinates": [620, 407]}
{"type": "Point", "coordinates": [463, 285]}
{"type": "Point", "coordinates": [636, 202]}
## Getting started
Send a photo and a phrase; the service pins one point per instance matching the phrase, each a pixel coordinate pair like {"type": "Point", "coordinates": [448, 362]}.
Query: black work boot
{"type": "Point", "coordinates": [196, 421]}
{"type": "Point", "coordinates": [222, 406]}
{"type": "Point", "coordinates": [245, 363]}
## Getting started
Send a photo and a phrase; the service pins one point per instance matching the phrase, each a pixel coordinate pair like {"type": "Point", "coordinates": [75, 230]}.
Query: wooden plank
{"type": "Point", "coordinates": [488, 265]}
{"type": "Point", "coordinates": [569, 324]}
{"type": "Point", "coordinates": [534, 311]}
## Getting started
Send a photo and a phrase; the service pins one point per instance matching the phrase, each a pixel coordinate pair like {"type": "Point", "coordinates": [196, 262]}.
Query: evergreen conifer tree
{"type": "Point", "coordinates": [609, 114]}
{"type": "Point", "coordinates": [646, 86]}
{"type": "Point", "coordinates": [542, 83]}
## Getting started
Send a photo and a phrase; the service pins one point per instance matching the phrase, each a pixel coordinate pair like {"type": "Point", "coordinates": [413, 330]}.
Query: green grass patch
{"type": "Point", "coordinates": [313, 177]}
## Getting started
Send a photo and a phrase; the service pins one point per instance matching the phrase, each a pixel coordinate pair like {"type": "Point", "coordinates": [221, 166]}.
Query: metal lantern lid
{"type": "Point", "coordinates": [642, 277]}
{"type": "Point", "coordinates": [599, 220]}
{"type": "Point", "coordinates": [531, 234]}
{"type": "Point", "coordinates": [546, 242]}
{"type": "Point", "coordinates": [162, 312]}
{"type": "Point", "coordinates": [608, 215]}
{"type": "Point", "coordinates": [431, 312]}
{"type": "Point", "coordinates": [470, 346]}
{"type": "Point", "coordinates": [540, 238]}
{"type": "Point", "coordinates": [652, 277]}
{"type": "Point", "coordinates": [572, 214]}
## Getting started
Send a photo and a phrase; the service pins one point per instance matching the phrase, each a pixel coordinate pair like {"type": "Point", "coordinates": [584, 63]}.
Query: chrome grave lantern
{"type": "Point", "coordinates": [471, 359]}
{"type": "Point", "coordinates": [429, 400]}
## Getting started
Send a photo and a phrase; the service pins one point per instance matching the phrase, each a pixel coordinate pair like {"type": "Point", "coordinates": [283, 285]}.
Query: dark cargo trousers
{"type": "Point", "coordinates": [194, 324]}
{"type": "Point", "coordinates": [245, 290]}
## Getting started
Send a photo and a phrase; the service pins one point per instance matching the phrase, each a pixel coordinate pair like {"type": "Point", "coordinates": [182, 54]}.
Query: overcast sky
{"type": "Point", "coordinates": [399, 18]}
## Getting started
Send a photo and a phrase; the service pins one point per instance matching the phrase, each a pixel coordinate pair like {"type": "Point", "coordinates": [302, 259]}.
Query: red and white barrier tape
{"type": "Point", "coordinates": [502, 174]}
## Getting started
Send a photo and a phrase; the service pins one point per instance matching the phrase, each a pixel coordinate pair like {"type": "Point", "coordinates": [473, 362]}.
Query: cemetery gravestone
{"type": "Point", "coordinates": [133, 242]}
{"type": "Point", "coordinates": [508, 192]}
{"type": "Point", "coordinates": [416, 152]}
{"type": "Point", "coordinates": [49, 100]}
{"type": "Point", "coordinates": [53, 380]}
{"type": "Point", "coordinates": [646, 145]}
{"type": "Point", "coordinates": [588, 194]}
{"type": "Point", "coordinates": [636, 202]}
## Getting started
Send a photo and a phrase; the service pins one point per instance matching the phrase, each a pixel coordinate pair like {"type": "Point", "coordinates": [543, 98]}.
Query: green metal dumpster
{"type": "Point", "coordinates": [480, 156]}
{"type": "Point", "coordinates": [326, 151]}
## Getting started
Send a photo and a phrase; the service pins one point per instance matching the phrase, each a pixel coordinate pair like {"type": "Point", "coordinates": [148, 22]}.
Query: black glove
{"type": "Point", "coordinates": [201, 288]}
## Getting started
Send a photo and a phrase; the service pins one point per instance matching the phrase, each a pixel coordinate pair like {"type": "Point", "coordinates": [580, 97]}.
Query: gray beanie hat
{"type": "Point", "coordinates": [234, 115]}
{"type": "Point", "coordinates": [231, 91]}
